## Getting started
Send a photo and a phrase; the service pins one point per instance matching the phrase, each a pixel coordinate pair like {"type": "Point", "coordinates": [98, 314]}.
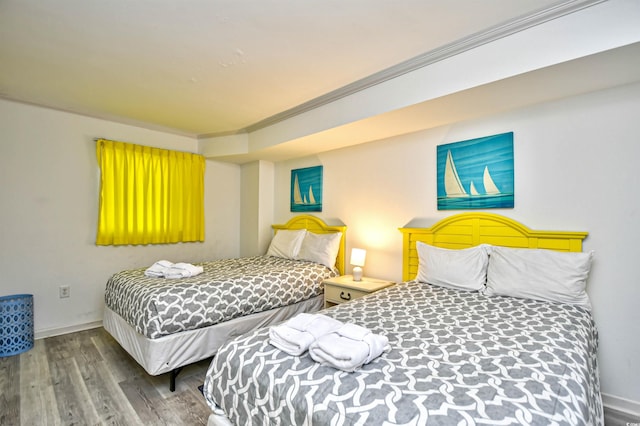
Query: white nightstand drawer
{"type": "Point", "coordinates": [338, 294]}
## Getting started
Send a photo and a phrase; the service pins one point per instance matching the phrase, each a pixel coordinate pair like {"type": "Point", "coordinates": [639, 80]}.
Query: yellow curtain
{"type": "Point", "coordinates": [149, 195]}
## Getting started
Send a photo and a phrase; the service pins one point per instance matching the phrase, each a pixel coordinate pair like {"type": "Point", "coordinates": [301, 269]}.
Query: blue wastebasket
{"type": "Point", "coordinates": [16, 324]}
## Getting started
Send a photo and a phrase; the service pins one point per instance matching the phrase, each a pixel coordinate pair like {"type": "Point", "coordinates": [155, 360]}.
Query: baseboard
{"type": "Point", "coordinates": [620, 411]}
{"type": "Point", "coordinates": [66, 330]}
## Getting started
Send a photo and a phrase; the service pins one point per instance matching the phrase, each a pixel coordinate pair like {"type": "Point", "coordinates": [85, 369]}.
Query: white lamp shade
{"type": "Point", "coordinates": [357, 256]}
{"type": "Point", "coordinates": [357, 260]}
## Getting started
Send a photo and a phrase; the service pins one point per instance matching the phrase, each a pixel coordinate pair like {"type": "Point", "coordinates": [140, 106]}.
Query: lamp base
{"type": "Point", "coordinates": [357, 273]}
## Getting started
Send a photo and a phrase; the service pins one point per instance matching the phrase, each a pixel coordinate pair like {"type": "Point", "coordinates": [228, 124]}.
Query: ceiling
{"type": "Point", "coordinates": [206, 68]}
{"type": "Point", "coordinates": [216, 66]}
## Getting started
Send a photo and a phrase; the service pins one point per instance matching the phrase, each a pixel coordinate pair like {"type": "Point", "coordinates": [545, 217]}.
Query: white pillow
{"type": "Point", "coordinates": [286, 243]}
{"type": "Point", "coordinates": [321, 248]}
{"type": "Point", "coordinates": [539, 274]}
{"type": "Point", "coordinates": [464, 269]}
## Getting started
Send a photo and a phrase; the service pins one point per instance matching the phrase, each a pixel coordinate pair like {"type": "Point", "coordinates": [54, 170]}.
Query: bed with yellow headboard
{"type": "Point", "coordinates": [455, 356]}
{"type": "Point", "coordinates": [165, 324]}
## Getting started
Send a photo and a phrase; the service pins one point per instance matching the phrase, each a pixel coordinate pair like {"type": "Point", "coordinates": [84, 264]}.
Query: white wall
{"type": "Point", "coordinates": [49, 208]}
{"type": "Point", "coordinates": [256, 210]}
{"type": "Point", "coordinates": [575, 169]}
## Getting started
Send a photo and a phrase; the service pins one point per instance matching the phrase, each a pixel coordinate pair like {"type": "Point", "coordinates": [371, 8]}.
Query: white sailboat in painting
{"type": "Point", "coordinates": [473, 190]}
{"type": "Point", "coordinates": [297, 196]}
{"type": "Point", "coordinates": [490, 187]}
{"type": "Point", "coordinates": [452, 185]}
{"type": "Point", "coordinates": [302, 199]}
{"type": "Point", "coordinates": [312, 199]}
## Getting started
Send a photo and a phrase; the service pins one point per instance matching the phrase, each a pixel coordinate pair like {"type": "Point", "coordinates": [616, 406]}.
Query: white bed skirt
{"type": "Point", "coordinates": [161, 355]}
{"type": "Point", "coordinates": [218, 420]}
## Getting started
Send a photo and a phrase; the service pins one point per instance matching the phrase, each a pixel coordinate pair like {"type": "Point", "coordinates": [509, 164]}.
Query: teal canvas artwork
{"type": "Point", "coordinates": [306, 189]}
{"type": "Point", "coordinates": [476, 173]}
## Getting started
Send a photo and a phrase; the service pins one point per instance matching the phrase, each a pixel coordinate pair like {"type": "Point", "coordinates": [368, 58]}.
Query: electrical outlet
{"type": "Point", "coordinates": [65, 291]}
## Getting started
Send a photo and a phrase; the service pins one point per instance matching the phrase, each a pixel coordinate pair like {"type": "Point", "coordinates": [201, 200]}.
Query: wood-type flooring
{"type": "Point", "coordinates": [86, 378]}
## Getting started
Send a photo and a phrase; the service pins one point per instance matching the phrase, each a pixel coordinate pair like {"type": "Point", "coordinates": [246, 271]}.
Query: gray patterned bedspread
{"type": "Point", "coordinates": [227, 289]}
{"type": "Point", "coordinates": [457, 358]}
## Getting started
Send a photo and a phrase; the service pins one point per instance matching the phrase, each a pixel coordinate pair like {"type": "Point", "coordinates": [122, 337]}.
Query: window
{"type": "Point", "coordinates": [149, 195]}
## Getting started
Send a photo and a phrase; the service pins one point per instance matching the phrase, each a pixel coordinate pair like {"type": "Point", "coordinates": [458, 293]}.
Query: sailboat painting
{"type": "Point", "coordinates": [306, 189]}
{"type": "Point", "coordinates": [476, 173]}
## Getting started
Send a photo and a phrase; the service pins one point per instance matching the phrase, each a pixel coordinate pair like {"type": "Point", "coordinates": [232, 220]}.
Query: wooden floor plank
{"type": "Point", "coordinates": [201, 410]}
{"type": "Point", "coordinates": [37, 397]}
{"type": "Point", "coordinates": [87, 349]}
{"type": "Point", "coordinates": [122, 365]}
{"type": "Point", "coordinates": [193, 411]}
{"type": "Point", "coordinates": [110, 405]}
{"type": "Point", "coordinates": [10, 390]}
{"type": "Point", "coordinates": [72, 399]}
{"type": "Point", "coordinates": [147, 402]}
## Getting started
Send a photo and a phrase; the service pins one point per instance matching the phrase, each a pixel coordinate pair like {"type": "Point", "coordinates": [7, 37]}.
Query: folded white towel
{"type": "Point", "coordinates": [353, 331]}
{"type": "Point", "coordinates": [295, 335]}
{"type": "Point", "coordinates": [183, 270]}
{"type": "Point", "coordinates": [348, 348]}
{"type": "Point", "coordinates": [301, 322]}
{"type": "Point", "coordinates": [158, 269]}
{"type": "Point", "coordinates": [166, 269]}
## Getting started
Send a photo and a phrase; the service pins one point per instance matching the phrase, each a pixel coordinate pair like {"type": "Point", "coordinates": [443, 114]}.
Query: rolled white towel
{"type": "Point", "coordinates": [295, 335]}
{"type": "Point", "coordinates": [183, 270]}
{"type": "Point", "coordinates": [348, 348]}
{"type": "Point", "coordinates": [158, 269]}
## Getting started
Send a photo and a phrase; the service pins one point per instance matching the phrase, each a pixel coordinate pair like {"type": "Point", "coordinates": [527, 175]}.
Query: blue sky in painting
{"type": "Point", "coordinates": [471, 157]}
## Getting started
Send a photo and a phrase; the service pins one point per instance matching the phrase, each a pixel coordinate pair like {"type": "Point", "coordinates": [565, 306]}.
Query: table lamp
{"type": "Point", "coordinates": [357, 260]}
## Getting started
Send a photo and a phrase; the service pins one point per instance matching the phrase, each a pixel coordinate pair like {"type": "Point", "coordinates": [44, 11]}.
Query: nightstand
{"type": "Point", "coordinates": [343, 289]}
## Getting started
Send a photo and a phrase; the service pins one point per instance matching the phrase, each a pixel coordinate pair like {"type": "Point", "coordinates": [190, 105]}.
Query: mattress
{"type": "Point", "coordinates": [227, 289]}
{"type": "Point", "coordinates": [169, 352]}
{"type": "Point", "coordinates": [456, 358]}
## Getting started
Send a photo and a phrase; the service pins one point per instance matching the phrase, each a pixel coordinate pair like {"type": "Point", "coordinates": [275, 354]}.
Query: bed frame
{"type": "Point", "coordinates": [168, 354]}
{"type": "Point", "coordinates": [471, 229]}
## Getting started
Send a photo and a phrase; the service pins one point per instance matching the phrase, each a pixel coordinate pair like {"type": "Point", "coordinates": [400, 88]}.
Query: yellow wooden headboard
{"type": "Point", "coordinates": [318, 226]}
{"type": "Point", "coordinates": [471, 229]}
